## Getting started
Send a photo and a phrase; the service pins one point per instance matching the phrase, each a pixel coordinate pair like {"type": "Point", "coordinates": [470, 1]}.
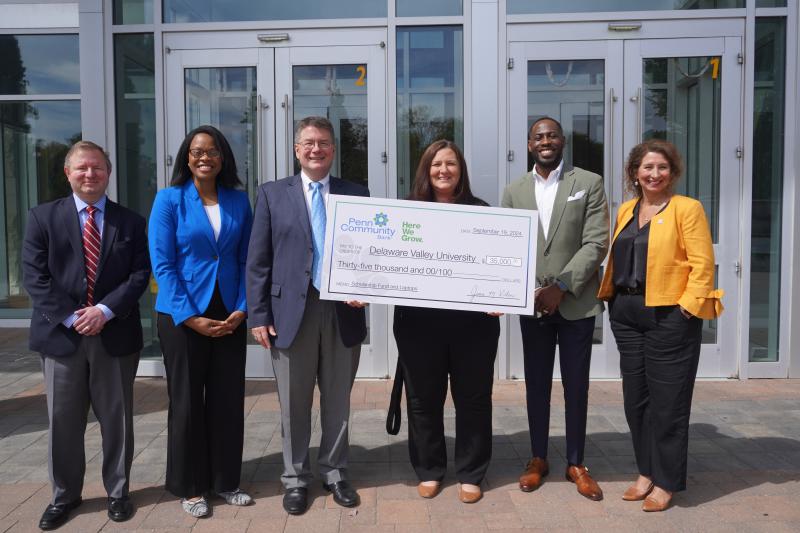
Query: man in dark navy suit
{"type": "Point", "coordinates": [312, 340]}
{"type": "Point", "coordinates": [85, 265]}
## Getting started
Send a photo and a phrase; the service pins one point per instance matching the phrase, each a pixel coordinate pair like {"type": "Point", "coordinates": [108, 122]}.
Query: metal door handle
{"type": "Point", "coordinates": [287, 128]}
{"type": "Point", "coordinates": [638, 101]}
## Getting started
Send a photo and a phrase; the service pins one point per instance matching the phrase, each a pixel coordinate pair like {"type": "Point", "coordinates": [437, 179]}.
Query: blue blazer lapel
{"type": "Point", "coordinates": [110, 225]}
{"type": "Point", "coordinates": [198, 213]}
{"type": "Point", "coordinates": [567, 179]}
{"type": "Point", "coordinates": [70, 221]}
{"type": "Point", "coordinates": [298, 198]}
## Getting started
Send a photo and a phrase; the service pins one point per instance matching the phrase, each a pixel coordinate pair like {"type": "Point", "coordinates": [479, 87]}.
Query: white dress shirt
{"type": "Point", "coordinates": [545, 190]}
{"type": "Point", "coordinates": [326, 187]}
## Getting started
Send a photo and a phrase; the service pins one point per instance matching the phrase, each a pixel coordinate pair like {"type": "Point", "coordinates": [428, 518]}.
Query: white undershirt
{"type": "Point", "coordinates": [212, 211]}
{"type": "Point", "coordinates": [545, 190]}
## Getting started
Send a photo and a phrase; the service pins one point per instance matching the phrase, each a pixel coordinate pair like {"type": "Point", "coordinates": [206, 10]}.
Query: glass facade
{"type": "Point", "coordinates": [767, 195]}
{"type": "Point", "coordinates": [39, 64]}
{"type": "Point", "coordinates": [521, 7]}
{"type": "Point", "coordinates": [35, 135]}
{"type": "Point", "coordinates": [241, 10]}
{"type": "Point", "coordinates": [428, 8]}
{"type": "Point", "coordinates": [770, 3]}
{"type": "Point", "coordinates": [133, 11]}
{"type": "Point", "coordinates": [135, 168]}
{"type": "Point", "coordinates": [430, 94]}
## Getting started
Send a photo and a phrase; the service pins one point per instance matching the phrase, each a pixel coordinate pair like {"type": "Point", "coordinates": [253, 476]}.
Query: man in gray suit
{"type": "Point", "coordinates": [85, 265]}
{"type": "Point", "coordinates": [573, 240]}
{"type": "Point", "coordinates": [312, 340]}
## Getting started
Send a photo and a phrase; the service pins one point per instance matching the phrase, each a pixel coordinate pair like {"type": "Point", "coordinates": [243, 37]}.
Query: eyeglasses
{"type": "Point", "coordinates": [197, 153]}
{"type": "Point", "coordinates": [309, 145]}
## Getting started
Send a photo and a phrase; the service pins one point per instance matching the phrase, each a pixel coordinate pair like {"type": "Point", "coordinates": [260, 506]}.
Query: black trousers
{"type": "Point", "coordinates": [659, 350]}
{"type": "Point", "coordinates": [434, 344]}
{"type": "Point", "coordinates": [205, 382]}
{"type": "Point", "coordinates": [574, 338]}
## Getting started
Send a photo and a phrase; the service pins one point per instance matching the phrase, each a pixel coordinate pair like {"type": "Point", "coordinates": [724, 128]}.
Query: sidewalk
{"type": "Point", "coordinates": [744, 465]}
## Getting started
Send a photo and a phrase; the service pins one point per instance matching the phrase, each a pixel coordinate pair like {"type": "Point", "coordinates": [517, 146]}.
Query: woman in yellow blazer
{"type": "Point", "coordinates": [660, 285]}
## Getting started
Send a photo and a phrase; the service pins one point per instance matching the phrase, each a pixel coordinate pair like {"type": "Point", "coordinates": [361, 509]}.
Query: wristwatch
{"type": "Point", "coordinates": [561, 285]}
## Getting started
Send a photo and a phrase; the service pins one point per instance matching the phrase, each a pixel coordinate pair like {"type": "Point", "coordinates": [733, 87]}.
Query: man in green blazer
{"type": "Point", "coordinates": [573, 240]}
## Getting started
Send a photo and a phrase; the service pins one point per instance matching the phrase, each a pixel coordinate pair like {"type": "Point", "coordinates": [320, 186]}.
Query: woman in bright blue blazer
{"type": "Point", "coordinates": [199, 231]}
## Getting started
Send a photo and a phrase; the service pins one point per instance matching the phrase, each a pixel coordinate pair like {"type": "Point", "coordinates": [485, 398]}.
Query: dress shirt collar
{"type": "Point", "coordinates": [80, 205]}
{"type": "Point", "coordinates": [554, 176]}
{"type": "Point", "coordinates": [306, 181]}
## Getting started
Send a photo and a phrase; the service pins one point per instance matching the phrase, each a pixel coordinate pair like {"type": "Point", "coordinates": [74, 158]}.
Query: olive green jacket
{"type": "Point", "coordinates": [578, 237]}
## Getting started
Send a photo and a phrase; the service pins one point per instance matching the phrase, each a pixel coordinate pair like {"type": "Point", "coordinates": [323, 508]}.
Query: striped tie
{"type": "Point", "coordinates": [91, 250]}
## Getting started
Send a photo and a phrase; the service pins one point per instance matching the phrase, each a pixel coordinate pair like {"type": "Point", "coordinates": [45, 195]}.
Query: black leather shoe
{"type": "Point", "coordinates": [343, 493]}
{"type": "Point", "coordinates": [120, 509]}
{"type": "Point", "coordinates": [55, 515]}
{"type": "Point", "coordinates": [295, 501]}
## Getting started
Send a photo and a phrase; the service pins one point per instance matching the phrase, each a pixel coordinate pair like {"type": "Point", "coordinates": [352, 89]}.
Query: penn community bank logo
{"type": "Point", "coordinates": [381, 219]}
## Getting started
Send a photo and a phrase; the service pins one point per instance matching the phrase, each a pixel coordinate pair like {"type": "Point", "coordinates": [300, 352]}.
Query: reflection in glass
{"type": "Point", "coordinates": [135, 168]}
{"type": "Point", "coordinates": [428, 8]}
{"type": "Point", "coordinates": [225, 97]}
{"type": "Point", "coordinates": [514, 7]}
{"type": "Point", "coordinates": [133, 11]}
{"type": "Point", "coordinates": [34, 138]}
{"type": "Point", "coordinates": [39, 64]}
{"type": "Point", "coordinates": [572, 93]}
{"type": "Point", "coordinates": [430, 94]}
{"type": "Point", "coordinates": [768, 143]}
{"type": "Point", "coordinates": [338, 93]}
{"type": "Point", "coordinates": [233, 10]}
{"type": "Point", "coordinates": [681, 102]}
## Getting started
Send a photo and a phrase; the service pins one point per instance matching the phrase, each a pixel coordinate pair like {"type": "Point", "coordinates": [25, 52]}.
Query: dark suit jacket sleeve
{"type": "Point", "coordinates": [594, 241]}
{"type": "Point", "coordinates": [47, 295]}
{"type": "Point", "coordinates": [259, 265]}
{"type": "Point", "coordinates": [125, 296]}
{"type": "Point", "coordinates": [244, 242]}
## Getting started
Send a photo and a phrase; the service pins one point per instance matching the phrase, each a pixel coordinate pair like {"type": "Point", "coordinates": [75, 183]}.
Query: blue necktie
{"type": "Point", "coordinates": [318, 220]}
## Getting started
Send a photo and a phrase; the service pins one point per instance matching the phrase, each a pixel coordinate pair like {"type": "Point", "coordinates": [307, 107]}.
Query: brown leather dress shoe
{"type": "Point", "coordinates": [633, 494]}
{"type": "Point", "coordinates": [651, 505]}
{"type": "Point", "coordinates": [429, 491]}
{"type": "Point", "coordinates": [587, 486]}
{"type": "Point", "coordinates": [535, 471]}
{"type": "Point", "coordinates": [469, 496]}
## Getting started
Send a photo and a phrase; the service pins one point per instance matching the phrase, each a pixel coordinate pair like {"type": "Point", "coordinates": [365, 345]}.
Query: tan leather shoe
{"type": "Point", "coordinates": [469, 496]}
{"type": "Point", "coordinates": [652, 506]}
{"type": "Point", "coordinates": [428, 491]}
{"type": "Point", "coordinates": [535, 471]}
{"type": "Point", "coordinates": [634, 494]}
{"type": "Point", "coordinates": [587, 486]}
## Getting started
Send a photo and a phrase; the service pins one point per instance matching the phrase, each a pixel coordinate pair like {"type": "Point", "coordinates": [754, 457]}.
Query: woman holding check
{"type": "Point", "coordinates": [436, 343]}
{"type": "Point", "coordinates": [199, 231]}
{"type": "Point", "coordinates": [660, 284]}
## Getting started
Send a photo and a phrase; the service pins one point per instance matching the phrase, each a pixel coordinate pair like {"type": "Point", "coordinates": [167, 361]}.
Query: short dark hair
{"type": "Point", "coordinates": [542, 119]}
{"type": "Point", "coordinates": [227, 177]}
{"type": "Point", "coordinates": [421, 188]}
{"type": "Point", "coordinates": [86, 146]}
{"type": "Point", "coordinates": [320, 123]}
{"type": "Point", "coordinates": [658, 146]}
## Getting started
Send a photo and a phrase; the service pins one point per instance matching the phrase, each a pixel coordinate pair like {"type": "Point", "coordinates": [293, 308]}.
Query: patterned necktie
{"type": "Point", "coordinates": [318, 220]}
{"type": "Point", "coordinates": [91, 252]}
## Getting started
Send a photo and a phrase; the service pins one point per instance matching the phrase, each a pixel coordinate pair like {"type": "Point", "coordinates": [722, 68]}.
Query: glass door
{"type": "Point", "coordinates": [256, 95]}
{"type": "Point", "coordinates": [688, 91]}
{"type": "Point", "coordinates": [609, 94]}
{"type": "Point", "coordinates": [578, 84]}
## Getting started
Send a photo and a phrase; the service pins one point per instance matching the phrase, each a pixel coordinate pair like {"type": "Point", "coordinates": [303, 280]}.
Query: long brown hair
{"type": "Point", "coordinates": [422, 190]}
{"type": "Point", "coordinates": [658, 146]}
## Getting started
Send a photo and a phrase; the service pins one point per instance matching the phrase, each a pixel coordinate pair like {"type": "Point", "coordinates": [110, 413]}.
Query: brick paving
{"type": "Point", "coordinates": [744, 465]}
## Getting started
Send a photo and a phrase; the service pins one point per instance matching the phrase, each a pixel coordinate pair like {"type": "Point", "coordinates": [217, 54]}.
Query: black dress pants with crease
{"type": "Point", "coordinates": [434, 344]}
{"type": "Point", "coordinates": [659, 351]}
{"type": "Point", "coordinates": [205, 382]}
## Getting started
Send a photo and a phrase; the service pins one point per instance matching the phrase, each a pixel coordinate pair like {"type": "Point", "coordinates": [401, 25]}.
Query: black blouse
{"type": "Point", "coordinates": [630, 253]}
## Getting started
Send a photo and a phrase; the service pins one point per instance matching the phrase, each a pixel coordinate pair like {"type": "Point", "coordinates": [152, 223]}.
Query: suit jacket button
{"type": "Point", "coordinates": [547, 252]}
{"type": "Point", "coordinates": [215, 258]}
{"type": "Point", "coordinates": [303, 295]}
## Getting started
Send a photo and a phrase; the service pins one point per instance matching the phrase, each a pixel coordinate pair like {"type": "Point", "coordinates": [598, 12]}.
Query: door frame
{"type": "Point", "coordinates": [534, 41]}
{"type": "Point", "coordinates": [273, 61]}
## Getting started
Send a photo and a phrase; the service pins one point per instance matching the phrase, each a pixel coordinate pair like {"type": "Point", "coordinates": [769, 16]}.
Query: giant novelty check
{"type": "Point", "coordinates": [428, 254]}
